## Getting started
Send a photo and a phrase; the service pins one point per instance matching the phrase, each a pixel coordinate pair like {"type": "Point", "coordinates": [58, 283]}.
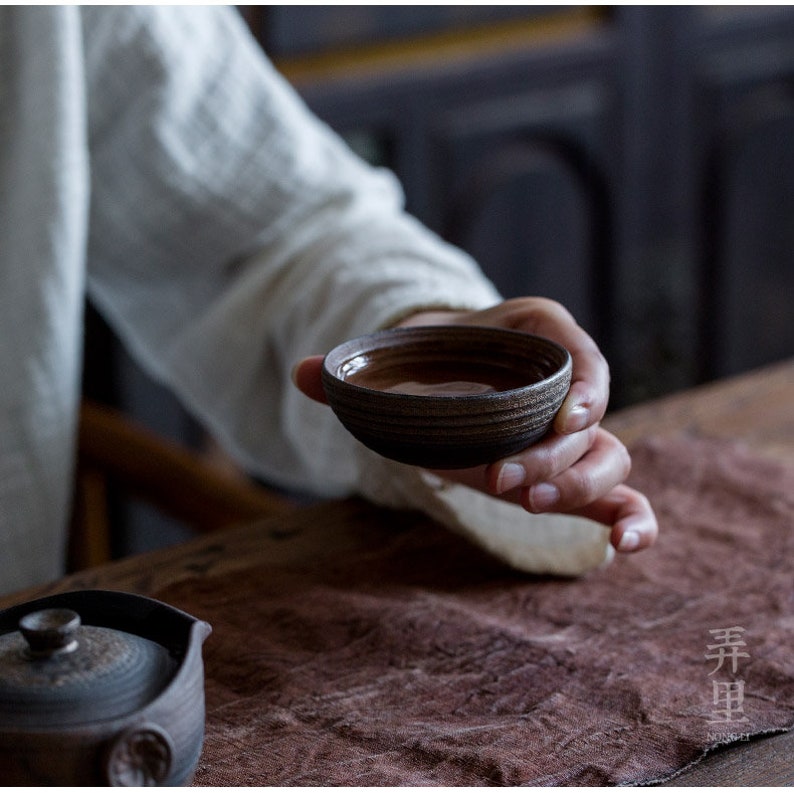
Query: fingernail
{"type": "Point", "coordinates": [543, 496]}
{"type": "Point", "coordinates": [511, 475]}
{"type": "Point", "coordinates": [577, 419]}
{"type": "Point", "coordinates": [630, 541]}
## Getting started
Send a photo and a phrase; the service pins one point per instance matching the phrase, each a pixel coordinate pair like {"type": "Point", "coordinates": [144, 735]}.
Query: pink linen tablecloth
{"type": "Point", "coordinates": [421, 661]}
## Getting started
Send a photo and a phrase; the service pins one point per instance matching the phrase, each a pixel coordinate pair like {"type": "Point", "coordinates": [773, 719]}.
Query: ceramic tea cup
{"type": "Point", "coordinates": [447, 396]}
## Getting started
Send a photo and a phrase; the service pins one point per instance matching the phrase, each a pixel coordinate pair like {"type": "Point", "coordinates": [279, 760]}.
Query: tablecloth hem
{"type": "Point", "coordinates": [665, 778]}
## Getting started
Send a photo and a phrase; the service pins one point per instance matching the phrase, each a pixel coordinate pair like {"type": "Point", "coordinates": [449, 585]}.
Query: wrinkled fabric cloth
{"type": "Point", "coordinates": [422, 661]}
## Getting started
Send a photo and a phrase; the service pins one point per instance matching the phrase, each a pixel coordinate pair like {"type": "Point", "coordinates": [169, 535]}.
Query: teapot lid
{"type": "Point", "coordinates": [57, 672]}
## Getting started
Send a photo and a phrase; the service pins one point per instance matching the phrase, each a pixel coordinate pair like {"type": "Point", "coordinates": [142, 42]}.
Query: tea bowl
{"type": "Point", "coordinates": [447, 396]}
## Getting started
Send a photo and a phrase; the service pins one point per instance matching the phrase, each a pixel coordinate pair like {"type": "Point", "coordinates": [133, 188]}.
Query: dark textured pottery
{"type": "Point", "coordinates": [100, 688]}
{"type": "Point", "coordinates": [447, 396]}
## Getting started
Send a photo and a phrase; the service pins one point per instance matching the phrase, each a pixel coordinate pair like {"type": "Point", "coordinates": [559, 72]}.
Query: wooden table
{"type": "Point", "coordinates": [757, 408]}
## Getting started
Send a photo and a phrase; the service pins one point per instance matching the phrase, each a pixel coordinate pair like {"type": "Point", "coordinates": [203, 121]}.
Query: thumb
{"type": "Point", "coordinates": [306, 375]}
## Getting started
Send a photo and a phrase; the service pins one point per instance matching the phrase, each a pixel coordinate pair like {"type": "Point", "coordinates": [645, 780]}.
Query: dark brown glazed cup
{"type": "Point", "coordinates": [447, 396]}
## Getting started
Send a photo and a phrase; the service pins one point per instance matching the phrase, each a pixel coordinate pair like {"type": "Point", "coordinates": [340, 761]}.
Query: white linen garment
{"type": "Point", "coordinates": [152, 157]}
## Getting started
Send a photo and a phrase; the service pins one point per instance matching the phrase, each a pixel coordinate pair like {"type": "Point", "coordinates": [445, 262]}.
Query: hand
{"type": "Point", "coordinates": [579, 468]}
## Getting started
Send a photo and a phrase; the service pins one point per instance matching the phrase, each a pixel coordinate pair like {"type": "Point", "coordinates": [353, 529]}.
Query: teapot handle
{"type": "Point", "coordinates": [140, 757]}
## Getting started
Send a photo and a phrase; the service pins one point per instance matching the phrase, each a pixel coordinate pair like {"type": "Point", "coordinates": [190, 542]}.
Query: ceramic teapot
{"type": "Point", "coordinates": [100, 688]}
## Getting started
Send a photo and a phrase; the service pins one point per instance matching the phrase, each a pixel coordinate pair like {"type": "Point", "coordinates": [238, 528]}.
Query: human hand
{"type": "Point", "coordinates": [578, 468]}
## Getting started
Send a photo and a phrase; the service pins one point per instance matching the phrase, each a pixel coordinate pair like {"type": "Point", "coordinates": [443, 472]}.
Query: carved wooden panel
{"type": "Point", "coordinates": [525, 189]}
{"type": "Point", "coordinates": [748, 213]}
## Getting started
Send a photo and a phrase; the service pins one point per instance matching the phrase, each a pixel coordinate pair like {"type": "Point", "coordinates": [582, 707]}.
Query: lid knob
{"type": "Point", "coordinates": [50, 632]}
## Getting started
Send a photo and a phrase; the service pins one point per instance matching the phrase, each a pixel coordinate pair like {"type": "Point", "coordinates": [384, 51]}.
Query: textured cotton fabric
{"type": "Point", "coordinates": [154, 158]}
{"type": "Point", "coordinates": [415, 659]}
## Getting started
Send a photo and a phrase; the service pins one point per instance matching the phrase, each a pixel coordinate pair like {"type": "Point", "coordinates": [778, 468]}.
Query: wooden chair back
{"type": "Point", "coordinates": [115, 452]}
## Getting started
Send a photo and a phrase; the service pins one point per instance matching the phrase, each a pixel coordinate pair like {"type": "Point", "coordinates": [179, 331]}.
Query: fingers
{"type": "Point", "coordinates": [307, 377]}
{"type": "Point", "coordinates": [592, 487]}
{"type": "Point", "coordinates": [563, 473]}
{"type": "Point", "coordinates": [630, 515]}
{"type": "Point", "coordinates": [603, 466]}
{"type": "Point", "coordinates": [580, 474]}
{"type": "Point", "coordinates": [588, 396]}
{"type": "Point", "coordinates": [508, 478]}
{"type": "Point", "coordinates": [541, 462]}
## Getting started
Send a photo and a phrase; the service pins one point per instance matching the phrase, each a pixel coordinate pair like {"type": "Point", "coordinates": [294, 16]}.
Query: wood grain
{"type": "Point", "coordinates": [755, 408]}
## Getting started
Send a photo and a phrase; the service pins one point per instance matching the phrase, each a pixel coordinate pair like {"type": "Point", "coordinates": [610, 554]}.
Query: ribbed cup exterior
{"type": "Point", "coordinates": [448, 431]}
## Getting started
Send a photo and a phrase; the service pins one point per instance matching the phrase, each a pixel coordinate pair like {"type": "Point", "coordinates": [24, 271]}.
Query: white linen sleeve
{"type": "Point", "coordinates": [232, 233]}
{"type": "Point", "coordinates": [560, 545]}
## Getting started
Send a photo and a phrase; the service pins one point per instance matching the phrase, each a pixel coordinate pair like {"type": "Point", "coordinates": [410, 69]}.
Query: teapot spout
{"type": "Point", "coordinates": [200, 631]}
